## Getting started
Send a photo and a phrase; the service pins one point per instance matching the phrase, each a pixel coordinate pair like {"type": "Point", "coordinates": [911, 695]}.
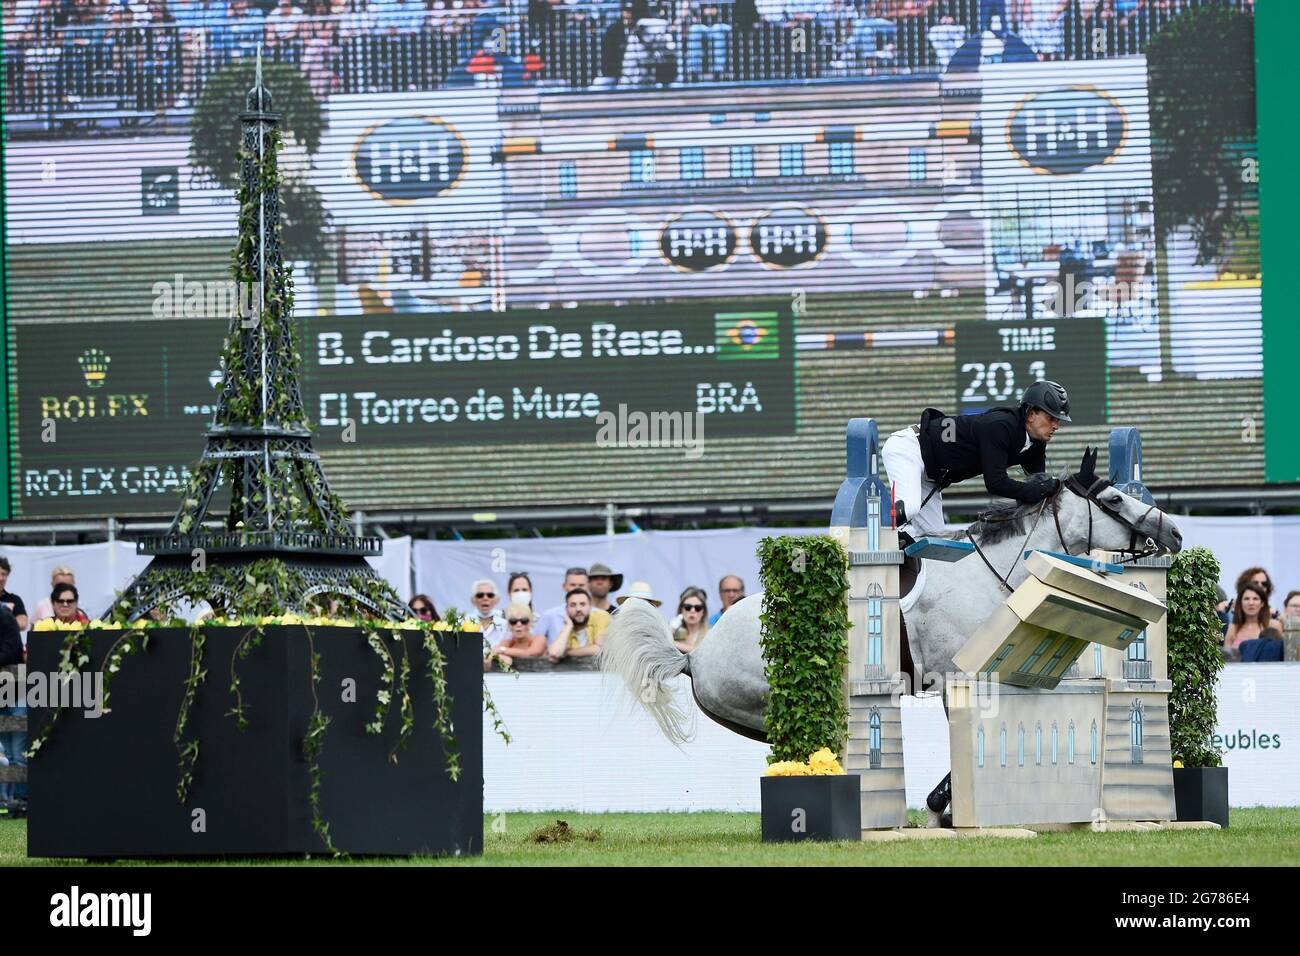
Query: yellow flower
{"type": "Point", "coordinates": [824, 763]}
{"type": "Point", "coordinates": [1178, 763]}
{"type": "Point", "coordinates": [44, 624]}
{"type": "Point", "coordinates": [788, 768]}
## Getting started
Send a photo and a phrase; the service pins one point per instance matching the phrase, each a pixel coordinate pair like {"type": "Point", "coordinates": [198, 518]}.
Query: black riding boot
{"type": "Point", "coordinates": [941, 795]}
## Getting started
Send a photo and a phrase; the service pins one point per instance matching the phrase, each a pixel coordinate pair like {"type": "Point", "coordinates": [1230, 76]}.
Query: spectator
{"type": "Point", "coordinates": [693, 609]}
{"type": "Point", "coordinates": [553, 619]}
{"type": "Point", "coordinates": [286, 30]}
{"type": "Point", "coordinates": [353, 18]}
{"type": "Point", "coordinates": [1291, 607]}
{"type": "Point", "coordinates": [12, 743]}
{"type": "Point", "coordinates": [11, 639]}
{"type": "Point", "coordinates": [613, 44]}
{"type": "Point", "coordinates": [8, 598]}
{"type": "Point", "coordinates": [1257, 576]}
{"type": "Point", "coordinates": [423, 607]}
{"type": "Point", "coordinates": [60, 575]}
{"type": "Point", "coordinates": [990, 9]}
{"type": "Point", "coordinates": [730, 589]}
{"type": "Point", "coordinates": [398, 16]}
{"type": "Point", "coordinates": [245, 28]}
{"type": "Point", "coordinates": [651, 54]}
{"type": "Point", "coordinates": [521, 641]}
{"type": "Point", "coordinates": [1250, 615]}
{"type": "Point", "coordinates": [946, 39]}
{"type": "Point", "coordinates": [319, 53]}
{"type": "Point", "coordinates": [865, 30]}
{"type": "Point", "coordinates": [600, 582]}
{"type": "Point", "coordinates": [1042, 26]}
{"type": "Point", "coordinates": [583, 630]}
{"type": "Point", "coordinates": [520, 590]}
{"type": "Point", "coordinates": [640, 590]}
{"type": "Point", "coordinates": [64, 599]}
{"type": "Point", "coordinates": [909, 17]}
{"type": "Point", "coordinates": [704, 22]}
{"type": "Point", "coordinates": [203, 39]}
{"type": "Point", "coordinates": [490, 619]}
{"type": "Point", "coordinates": [1263, 649]}
{"type": "Point", "coordinates": [156, 53]}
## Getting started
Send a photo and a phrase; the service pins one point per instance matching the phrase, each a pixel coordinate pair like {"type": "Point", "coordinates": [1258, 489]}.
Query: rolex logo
{"type": "Point", "coordinates": [94, 366]}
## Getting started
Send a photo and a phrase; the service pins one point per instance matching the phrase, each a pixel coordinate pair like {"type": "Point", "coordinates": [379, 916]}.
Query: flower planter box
{"type": "Point", "coordinates": [811, 808]}
{"type": "Point", "coordinates": [107, 786]}
{"type": "Point", "coordinates": [1201, 793]}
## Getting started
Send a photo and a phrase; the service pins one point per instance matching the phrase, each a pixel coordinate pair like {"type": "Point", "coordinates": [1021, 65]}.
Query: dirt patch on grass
{"type": "Point", "coordinates": [561, 832]}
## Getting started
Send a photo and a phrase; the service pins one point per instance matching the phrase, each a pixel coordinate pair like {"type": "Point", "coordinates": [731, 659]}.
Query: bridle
{"type": "Point", "coordinates": [1088, 494]}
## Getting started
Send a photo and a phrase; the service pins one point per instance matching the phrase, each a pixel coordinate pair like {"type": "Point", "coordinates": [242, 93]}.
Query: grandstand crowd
{"type": "Point", "coordinates": [154, 56]}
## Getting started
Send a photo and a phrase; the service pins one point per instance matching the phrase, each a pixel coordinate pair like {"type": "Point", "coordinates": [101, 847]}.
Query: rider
{"type": "Point", "coordinates": [924, 459]}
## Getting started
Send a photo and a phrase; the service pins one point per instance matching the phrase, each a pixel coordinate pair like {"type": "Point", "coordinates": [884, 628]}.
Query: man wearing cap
{"type": "Point", "coordinates": [924, 459]}
{"type": "Point", "coordinates": [583, 630]}
{"type": "Point", "coordinates": [601, 581]}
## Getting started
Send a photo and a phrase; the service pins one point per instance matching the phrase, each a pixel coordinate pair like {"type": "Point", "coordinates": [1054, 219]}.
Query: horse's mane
{"type": "Point", "coordinates": [1003, 521]}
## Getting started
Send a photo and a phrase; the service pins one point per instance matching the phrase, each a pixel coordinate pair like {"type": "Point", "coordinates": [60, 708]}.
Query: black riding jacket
{"type": "Point", "coordinates": [986, 444]}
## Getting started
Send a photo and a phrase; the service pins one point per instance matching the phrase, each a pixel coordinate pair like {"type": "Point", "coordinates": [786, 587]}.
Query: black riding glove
{"type": "Point", "coordinates": [1041, 486]}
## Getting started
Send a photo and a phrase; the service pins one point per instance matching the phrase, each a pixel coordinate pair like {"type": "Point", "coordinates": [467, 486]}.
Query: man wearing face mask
{"type": "Point", "coordinates": [601, 582]}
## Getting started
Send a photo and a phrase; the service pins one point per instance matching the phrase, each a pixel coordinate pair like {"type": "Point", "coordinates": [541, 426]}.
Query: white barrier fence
{"type": "Point", "coordinates": [579, 746]}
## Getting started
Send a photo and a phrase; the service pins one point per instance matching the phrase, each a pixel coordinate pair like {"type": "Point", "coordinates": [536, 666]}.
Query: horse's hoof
{"type": "Point", "coordinates": [936, 820]}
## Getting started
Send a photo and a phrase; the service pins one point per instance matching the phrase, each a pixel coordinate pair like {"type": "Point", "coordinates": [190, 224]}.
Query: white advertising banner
{"type": "Point", "coordinates": [579, 744]}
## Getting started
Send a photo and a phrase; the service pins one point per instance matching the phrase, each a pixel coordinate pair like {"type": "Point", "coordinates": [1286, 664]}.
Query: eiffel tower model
{"type": "Point", "coordinates": [281, 507]}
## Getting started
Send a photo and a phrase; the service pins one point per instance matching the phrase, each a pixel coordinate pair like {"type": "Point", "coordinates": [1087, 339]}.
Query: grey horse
{"type": "Point", "coordinates": [727, 670]}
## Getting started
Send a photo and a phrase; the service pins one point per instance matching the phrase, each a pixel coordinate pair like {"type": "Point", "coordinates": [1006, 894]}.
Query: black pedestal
{"type": "Point", "coordinates": [106, 787]}
{"type": "Point", "coordinates": [811, 808]}
{"type": "Point", "coordinates": [1201, 793]}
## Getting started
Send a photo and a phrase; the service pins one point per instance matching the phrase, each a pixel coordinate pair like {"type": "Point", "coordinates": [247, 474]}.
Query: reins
{"type": "Point", "coordinates": [1088, 495]}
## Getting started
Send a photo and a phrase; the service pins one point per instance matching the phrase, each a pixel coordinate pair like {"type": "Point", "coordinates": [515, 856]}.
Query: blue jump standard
{"type": "Point", "coordinates": [940, 549]}
{"type": "Point", "coordinates": [1102, 567]}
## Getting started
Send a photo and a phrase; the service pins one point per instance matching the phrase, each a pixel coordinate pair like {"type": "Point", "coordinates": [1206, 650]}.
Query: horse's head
{"type": "Point", "coordinates": [1093, 513]}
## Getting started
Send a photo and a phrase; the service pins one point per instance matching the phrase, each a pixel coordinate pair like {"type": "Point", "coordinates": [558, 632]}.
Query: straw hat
{"type": "Point", "coordinates": [640, 589]}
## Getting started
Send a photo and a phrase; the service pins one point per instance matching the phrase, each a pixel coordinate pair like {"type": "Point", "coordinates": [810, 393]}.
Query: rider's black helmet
{"type": "Point", "coordinates": [1050, 397]}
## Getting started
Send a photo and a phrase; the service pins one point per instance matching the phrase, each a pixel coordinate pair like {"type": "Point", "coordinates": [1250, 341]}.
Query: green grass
{"type": "Point", "coordinates": [1257, 837]}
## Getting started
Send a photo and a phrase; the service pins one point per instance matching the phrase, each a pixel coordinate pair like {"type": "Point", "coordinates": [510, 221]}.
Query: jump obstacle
{"type": "Point", "coordinates": [1063, 716]}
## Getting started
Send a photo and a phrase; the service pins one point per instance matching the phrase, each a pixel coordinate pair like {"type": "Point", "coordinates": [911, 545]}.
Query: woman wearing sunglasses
{"type": "Point", "coordinates": [693, 610]}
{"type": "Point", "coordinates": [423, 607]}
{"type": "Point", "coordinates": [522, 642]}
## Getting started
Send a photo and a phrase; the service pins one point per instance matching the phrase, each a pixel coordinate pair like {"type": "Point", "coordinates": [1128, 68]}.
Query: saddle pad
{"type": "Point", "coordinates": [940, 549]}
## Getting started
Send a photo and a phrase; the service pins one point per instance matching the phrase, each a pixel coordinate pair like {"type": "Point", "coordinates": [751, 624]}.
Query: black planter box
{"type": "Point", "coordinates": [811, 808]}
{"type": "Point", "coordinates": [106, 786]}
{"type": "Point", "coordinates": [1201, 793]}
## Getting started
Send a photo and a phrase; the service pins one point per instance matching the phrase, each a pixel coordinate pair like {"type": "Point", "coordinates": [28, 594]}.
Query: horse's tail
{"type": "Point", "coordinates": [638, 647]}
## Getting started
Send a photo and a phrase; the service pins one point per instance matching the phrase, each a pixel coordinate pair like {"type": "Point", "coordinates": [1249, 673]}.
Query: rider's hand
{"type": "Point", "coordinates": [1043, 486]}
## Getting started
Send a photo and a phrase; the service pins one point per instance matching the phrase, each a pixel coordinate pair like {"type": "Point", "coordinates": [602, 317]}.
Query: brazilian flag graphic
{"type": "Point", "coordinates": [747, 335]}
